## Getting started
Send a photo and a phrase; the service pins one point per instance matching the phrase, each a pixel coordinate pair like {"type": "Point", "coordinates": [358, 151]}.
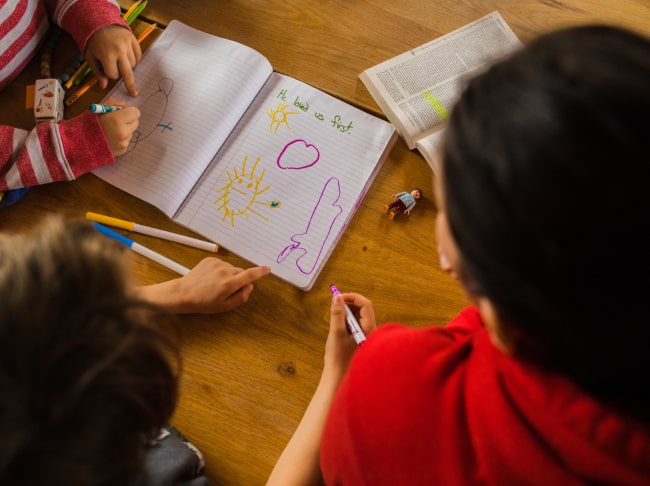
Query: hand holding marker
{"type": "Point", "coordinates": [353, 324]}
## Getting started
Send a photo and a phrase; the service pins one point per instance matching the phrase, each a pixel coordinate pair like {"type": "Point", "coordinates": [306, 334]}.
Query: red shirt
{"type": "Point", "coordinates": [442, 405]}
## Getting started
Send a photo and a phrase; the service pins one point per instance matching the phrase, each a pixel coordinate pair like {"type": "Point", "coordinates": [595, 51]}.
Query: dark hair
{"type": "Point", "coordinates": [85, 378]}
{"type": "Point", "coordinates": [546, 168]}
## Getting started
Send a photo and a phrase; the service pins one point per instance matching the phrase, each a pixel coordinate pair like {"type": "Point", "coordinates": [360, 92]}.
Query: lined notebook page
{"type": "Point", "coordinates": [194, 87]}
{"type": "Point", "coordinates": [288, 180]}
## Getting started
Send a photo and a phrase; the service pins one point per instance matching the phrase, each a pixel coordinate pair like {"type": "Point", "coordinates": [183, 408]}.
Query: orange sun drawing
{"type": "Point", "coordinates": [240, 192]}
{"type": "Point", "coordinates": [279, 117]}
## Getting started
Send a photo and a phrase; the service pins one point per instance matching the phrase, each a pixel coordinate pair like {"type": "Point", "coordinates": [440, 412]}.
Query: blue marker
{"type": "Point", "coordinates": [97, 108]}
{"type": "Point", "coordinates": [144, 251]}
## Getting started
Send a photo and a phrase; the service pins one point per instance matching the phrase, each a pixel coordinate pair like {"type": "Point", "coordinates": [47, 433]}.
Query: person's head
{"type": "Point", "coordinates": [545, 205]}
{"type": "Point", "coordinates": [416, 193]}
{"type": "Point", "coordinates": [85, 378]}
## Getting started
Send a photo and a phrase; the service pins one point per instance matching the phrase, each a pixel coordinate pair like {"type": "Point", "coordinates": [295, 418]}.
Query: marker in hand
{"type": "Point", "coordinates": [353, 324]}
{"type": "Point", "coordinates": [97, 108]}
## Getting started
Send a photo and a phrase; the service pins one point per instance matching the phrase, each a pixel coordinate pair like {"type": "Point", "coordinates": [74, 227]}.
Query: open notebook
{"type": "Point", "coordinates": [261, 163]}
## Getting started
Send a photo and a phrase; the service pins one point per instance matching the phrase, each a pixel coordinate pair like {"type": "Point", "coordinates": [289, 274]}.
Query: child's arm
{"type": "Point", "coordinates": [117, 51]}
{"type": "Point", "coordinates": [103, 37]}
{"type": "Point", "coordinates": [211, 286]}
{"type": "Point", "coordinates": [63, 150]}
{"type": "Point", "coordinates": [299, 463]}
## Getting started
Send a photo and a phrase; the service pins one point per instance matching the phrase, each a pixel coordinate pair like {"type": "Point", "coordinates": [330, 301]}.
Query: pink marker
{"type": "Point", "coordinates": [353, 324]}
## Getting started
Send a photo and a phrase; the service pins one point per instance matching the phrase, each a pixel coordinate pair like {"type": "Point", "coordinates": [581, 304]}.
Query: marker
{"type": "Point", "coordinates": [148, 230]}
{"type": "Point", "coordinates": [79, 79]}
{"type": "Point", "coordinates": [91, 82]}
{"type": "Point", "coordinates": [76, 75]}
{"type": "Point", "coordinates": [353, 324]}
{"type": "Point", "coordinates": [144, 251]}
{"type": "Point", "coordinates": [97, 108]}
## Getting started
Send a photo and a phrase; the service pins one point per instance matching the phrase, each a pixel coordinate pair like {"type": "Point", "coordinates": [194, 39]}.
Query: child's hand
{"type": "Point", "coordinates": [212, 286]}
{"type": "Point", "coordinates": [340, 346]}
{"type": "Point", "coordinates": [119, 127]}
{"type": "Point", "coordinates": [117, 51]}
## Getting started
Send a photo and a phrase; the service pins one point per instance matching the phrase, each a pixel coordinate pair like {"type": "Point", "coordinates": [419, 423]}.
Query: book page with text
{"type": "Point", "coordinates": [288, 181]}
{"type": "Point", "coordinates": [417, 89]}
{"type": "Point", "coordinates": [429, 146]}
{"type": "Point", "coordinates": [194, 87]}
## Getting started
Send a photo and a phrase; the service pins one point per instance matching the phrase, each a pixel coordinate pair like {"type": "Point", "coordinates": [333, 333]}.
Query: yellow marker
{"type": "Point", "coordinates": [148, 230]}
{"type": "Point", "coordinates": [68, 84]}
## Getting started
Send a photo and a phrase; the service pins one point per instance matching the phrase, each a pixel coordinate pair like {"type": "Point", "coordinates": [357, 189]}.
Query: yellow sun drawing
{"type": "Point", "coordinates": [240, 193]}
{"type": "Point", "coordinates": [279, 117]}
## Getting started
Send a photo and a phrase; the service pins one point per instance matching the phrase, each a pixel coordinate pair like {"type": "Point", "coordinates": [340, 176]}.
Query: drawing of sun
{"type": "Point", "coordinates": [279, 117]}
{"type": "Point", "coordinates": [239, 196]}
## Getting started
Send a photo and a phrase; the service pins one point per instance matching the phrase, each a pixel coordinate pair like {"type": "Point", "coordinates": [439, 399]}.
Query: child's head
{"type": "Point", "coordinates": [84, 378]}
{"type": "Point", "coordinates": [416, 193]}
{"type": "Point", "coordinates": [545, 175]}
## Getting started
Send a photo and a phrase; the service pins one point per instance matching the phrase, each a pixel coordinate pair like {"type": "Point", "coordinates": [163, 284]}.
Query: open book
{"type": "Point", "coordinates": [417, 89]}
{"type": "Point", "coordinates": [262, 164]}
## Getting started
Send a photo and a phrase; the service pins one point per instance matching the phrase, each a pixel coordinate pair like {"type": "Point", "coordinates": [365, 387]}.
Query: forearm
{"type": "Point", "coordinates": [167, 295]}
{"type": "Point", "coordinates": [52, 151]}
{"type": "Point", "coordinates": [212, 286]}
{"type": "Point", "coordinates": [299, 462]}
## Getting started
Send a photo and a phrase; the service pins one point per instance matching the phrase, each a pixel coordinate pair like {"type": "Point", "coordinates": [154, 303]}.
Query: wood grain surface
{"type": "Point", "coordinates": [249, 374]}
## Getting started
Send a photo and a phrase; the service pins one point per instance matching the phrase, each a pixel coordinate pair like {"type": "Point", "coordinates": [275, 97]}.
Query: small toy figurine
{"type": "Point", "coordinates": [403, 201]}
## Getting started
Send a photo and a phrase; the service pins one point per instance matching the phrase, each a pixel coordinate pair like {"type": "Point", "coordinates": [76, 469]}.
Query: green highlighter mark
{"type": "Point", "coordinates": [436, 105]}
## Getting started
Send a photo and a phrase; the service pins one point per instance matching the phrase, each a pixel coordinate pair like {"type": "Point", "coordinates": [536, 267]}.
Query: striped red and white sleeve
{"type": "Point", "coordinates": [23, 26]}
{"type": "Point", "coordinates": [52, 151]}
{"type": "Point", "coordinates": [82, 18]}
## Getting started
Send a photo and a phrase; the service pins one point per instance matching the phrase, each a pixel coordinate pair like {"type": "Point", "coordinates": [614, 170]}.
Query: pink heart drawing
{"type": "Point", "coordinates": [298, 155]}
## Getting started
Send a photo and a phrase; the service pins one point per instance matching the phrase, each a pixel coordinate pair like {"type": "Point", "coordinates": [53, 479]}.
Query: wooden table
{"type": "Point", "coordinates": [249, 374]}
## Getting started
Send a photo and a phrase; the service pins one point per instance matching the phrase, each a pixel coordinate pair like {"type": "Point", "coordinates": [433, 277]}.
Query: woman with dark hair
{"type": "Point", "coordinates": [88, 370]}
{"type": "Point", "coordinates": [544, 219]}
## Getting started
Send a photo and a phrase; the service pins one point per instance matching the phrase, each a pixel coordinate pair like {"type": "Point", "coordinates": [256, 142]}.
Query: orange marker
{"type": "Point", "coordinates": [91, 82]}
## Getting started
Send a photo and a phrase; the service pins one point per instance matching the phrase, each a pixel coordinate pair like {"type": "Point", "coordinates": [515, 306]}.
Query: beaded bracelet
{"type": "Point", "coordinates": [46, 56]}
